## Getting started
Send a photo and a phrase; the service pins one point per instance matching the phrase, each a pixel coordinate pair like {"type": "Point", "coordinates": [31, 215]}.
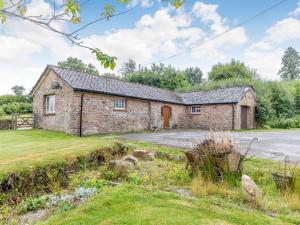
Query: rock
{"type": "Point", "coordinates": [144, 155]}
{"type": "Point", "coordinates": [184, 192]}
{"type": "Point", "coordinates": [131, 158]}
{"type": "Point", "coordinates": [121, 167]}
{"type": "Point", "coordinates": [250, 189]}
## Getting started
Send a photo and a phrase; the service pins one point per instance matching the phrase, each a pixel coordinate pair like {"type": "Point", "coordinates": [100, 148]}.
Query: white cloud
{"type": "Point", "coordinates": [153, 36]}
{"type": "Point", "coordinates": [296, 12]}
{"type": "Point", "coordinates": [143, 3]}
{"type": "Point", "coordinates": [266, 54]}
{"type": "Point", "coordinates": [284, 30]}
{"type": "Point", "coordinates": [215, 50]}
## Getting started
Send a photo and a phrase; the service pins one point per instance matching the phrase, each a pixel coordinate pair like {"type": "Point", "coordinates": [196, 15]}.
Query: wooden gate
{"type": "Point", "coordinates": [21, 121]}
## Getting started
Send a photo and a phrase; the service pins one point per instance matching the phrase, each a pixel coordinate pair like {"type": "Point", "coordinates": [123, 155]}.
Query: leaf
{"type": "Point", "coordinates": [106, 65]}
{"type": "Point", "coordinates": [112, 65]}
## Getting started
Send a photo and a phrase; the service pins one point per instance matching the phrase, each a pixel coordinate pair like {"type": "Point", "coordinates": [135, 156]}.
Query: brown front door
{"type": "Point", "coordinates": [244, 117]}
{"type": "Point", "coordinates": [166, 113]}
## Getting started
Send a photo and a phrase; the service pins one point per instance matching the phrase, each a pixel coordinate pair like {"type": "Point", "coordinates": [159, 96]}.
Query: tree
{"type": "Point", "coordinates": [290, 62]}
{"type": "Point", "coordinates": [69, 12]}
{"type": "Point", "coordinates": [159, 76]}
{"type": "Point", "coordinates": [77, 64]}
{"type": "Point", "coordinates": [281, 102]}
{"type": "Point", "coordinates": [18, 90]}
{"type": "Point", "coordinates": [128, 68]}
{"type": "Point", "coordinates": [297, 100]}
{"type": "Point", "coordinates": [234, 69]}
{"type": "Point", "coordinates": [194, 75]}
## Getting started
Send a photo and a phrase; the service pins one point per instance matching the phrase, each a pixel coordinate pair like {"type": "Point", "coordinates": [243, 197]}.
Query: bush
{"type": "Point", "coordinates": [7, 99]}
{"type": "Point", "coordinates": [17, 107]}
{"type": "Point", "coordinates": [31, 204]}
{"type": "Point", "coordinates": [2, 113]}
{"type": "Point", "coordinates": [285, 123]}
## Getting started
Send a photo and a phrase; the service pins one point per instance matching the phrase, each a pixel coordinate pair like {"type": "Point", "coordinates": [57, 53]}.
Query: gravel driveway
{"type": "Point", "coordinates": [271, 144]}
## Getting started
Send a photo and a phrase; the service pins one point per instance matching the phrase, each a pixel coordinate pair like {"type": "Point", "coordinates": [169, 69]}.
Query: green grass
{"type": "Point", "coordinates": [19, 149]}
{"type": "Point", "coordinates": [128, 204]}
{"type": "Point", "coordinates": [151, 200]}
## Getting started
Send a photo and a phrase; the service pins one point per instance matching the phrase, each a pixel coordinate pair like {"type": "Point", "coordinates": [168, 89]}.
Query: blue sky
{"type": "Point", "coordinates": [153, 31]}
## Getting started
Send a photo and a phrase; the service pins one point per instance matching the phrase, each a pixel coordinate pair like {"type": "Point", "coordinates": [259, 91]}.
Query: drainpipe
{"type": "Point", "coordinates": [233, 116]}
{"type": "Point", "coordinates": [80, 116]}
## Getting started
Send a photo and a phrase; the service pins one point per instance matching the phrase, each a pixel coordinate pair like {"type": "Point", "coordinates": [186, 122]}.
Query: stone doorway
{"type": "Point", "coordinates": [166, 113]}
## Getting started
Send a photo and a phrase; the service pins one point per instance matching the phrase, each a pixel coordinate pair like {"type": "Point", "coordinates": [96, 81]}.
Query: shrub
{"type": "Point", "coordinates": [84, 193]}
{"type": "Point", "coordinates": [31, 204]}
{"type": "Point", "coordinates": [7, 99]}
{"type": "Point", "coordinates": [17, 107]}
{"type": "Point", "coordinates": [285, 123]}
{"type": "Point", "coordinates": [2, 113]}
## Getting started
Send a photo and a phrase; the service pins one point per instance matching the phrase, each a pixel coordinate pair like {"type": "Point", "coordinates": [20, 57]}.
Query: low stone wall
{"type": "Point", "coordinates": [5, 124]}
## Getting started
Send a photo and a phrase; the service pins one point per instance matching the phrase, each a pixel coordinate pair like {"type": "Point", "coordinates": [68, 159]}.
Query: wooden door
{"type": "Point", "coordinates": [166, 113]}
{"type": "Point", "coordinates": [244, 117]}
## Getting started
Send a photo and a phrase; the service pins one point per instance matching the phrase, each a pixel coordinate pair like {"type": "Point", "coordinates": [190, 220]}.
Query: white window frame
{"type": "Point", "coordinates": [120, 104]}
{"type": "Point", "coordinates": [50, 108]}
{"type": "Point", "coordinates": [195, 109]}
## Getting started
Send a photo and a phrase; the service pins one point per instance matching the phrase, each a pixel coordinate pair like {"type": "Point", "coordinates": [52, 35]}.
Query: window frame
{"type": "Point", "coordinates": [47, 101]}
{"type": "Point", "coordinates": [197, 109]}
{"type": "Point", "coordinates": [116, 107]}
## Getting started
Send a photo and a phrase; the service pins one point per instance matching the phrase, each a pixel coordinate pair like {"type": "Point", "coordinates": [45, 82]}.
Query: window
{"type": "Point", "coordinates": [195, 109]}
{"type": "Point", "coordinates": [50, 104]}
{"type": "Point", "coordinates": [120, 104]}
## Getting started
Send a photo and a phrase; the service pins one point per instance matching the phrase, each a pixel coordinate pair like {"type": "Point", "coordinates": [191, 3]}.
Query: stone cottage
{"type": "Point", "coordinates": [83, 104]}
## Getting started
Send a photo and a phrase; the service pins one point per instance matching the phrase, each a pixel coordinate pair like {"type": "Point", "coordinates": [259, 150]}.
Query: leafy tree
{"type": "Point", "coordinates": [297, 99]}
{"type": "Point", "coordinates": [18, 90]}
{"type": "Point", "coordinates": [290, 62]}
{"type": "Point", "coordinates": [173, 79]}
{"type": "Point", "coordinates": [194, 75]}
{"type": "Point", "coordinates": [234, 69]}
{"type": "Point", "coordinates": [77, 64]}
{"type": "Point", "coordinates": [128, 68]}
{"type": "Point", "coordinates": [159, 76]}
{"type": "Point", "coordinates": [281, 102]}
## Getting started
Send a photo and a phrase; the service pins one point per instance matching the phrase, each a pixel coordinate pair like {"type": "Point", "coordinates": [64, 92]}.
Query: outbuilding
{"type": "Point", "coordinates": [82, 104]}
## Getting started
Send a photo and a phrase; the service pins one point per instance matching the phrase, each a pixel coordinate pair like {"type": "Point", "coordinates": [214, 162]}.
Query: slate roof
{"type": "Point", "coordinates": [80, 81]}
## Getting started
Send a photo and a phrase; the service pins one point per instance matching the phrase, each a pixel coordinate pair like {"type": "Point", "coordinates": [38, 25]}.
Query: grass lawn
{"type": "Point", "coordinates": [149, 195]}
{"type": "Point", "coordinates": [24, 148]}
{"type": "Point", "coordinates": [128, 204]}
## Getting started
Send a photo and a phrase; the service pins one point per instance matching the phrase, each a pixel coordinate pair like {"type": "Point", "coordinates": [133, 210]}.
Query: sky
{"type": "Point", "coordinates": [152, 32]}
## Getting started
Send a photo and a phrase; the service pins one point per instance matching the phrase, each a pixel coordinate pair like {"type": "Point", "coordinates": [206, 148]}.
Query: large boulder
{"type": "Point", "coordinates": [131, 158]}
{"type": "Point", "coordinates": [250, 189]}
{"type": "Point", "coordinates": [144, 155]}
{"type": "Point", "coordinates": [121, 167]}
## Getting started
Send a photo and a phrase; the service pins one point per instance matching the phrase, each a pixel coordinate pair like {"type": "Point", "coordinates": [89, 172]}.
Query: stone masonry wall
{"type": "Point", "coordinates": [247, 100]}
{"type": "Point", "coordinates": [177, 119]}
{"type": "Point", "coordinates": [212, 117]}
{"type": "Point", "coordinates": [60, 120]}
{"type": "Point", "coordinates": [99, 115]}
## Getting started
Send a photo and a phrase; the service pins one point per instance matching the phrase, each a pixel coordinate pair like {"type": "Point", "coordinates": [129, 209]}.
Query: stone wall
{"type": "Point", "coordinates": [5, 124]}
{"type": "Point", "coordinates": [177, 119]}
{"type": "Point", "coordinates": [249, 100]}
{"type": "Point", "coordinates": [99, 115]}
{"type": "Point", "coordinates": [212, 117]}
{"type": "Point", "coordinates": [60, 120]}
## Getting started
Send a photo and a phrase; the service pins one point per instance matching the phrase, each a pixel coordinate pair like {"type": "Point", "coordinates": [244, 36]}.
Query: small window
{"type": "Point", "coordinates": [50, 104]}
{"type": "Point", "coordinates": [120, 104]}
{"type": "Point", "coordinates": [195, 109]}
